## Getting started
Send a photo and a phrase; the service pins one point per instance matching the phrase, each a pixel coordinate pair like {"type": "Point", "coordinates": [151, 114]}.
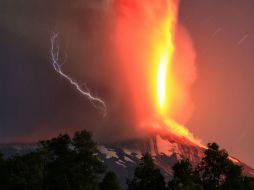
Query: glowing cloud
{"type": "Point", "coordinates": [157, 60]}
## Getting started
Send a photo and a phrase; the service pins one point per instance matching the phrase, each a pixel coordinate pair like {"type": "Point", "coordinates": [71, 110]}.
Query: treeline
{"type": "Point", "coordinates": [62, 163]}
{"type": "Point", "coordinates": [65, 163]}
{"type": "Point", "coordinates": [215, 172]}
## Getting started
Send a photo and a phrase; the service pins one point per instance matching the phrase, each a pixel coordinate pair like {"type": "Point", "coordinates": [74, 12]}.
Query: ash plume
{"type": "Point", "coordinates": [90, 35]}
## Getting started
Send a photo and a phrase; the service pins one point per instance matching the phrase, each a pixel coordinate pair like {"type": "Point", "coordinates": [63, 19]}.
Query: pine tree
{"type": "Point", "coordinates": [62, 163]}
{"type": "Point", "coordinates": [25, 172]}
{"type": "Point", "coordinates": [110, 182]}
{"type": "Point", "coordinates": [3, 173]}
{"type": "Point", "coordinates": [72, 163]}
{"type": "Point", "coordinates": [146, 176]}
{"type": "Point", "coordinates": [217, 171]}
{"type": "Point", "coordinates": [248, 183]}
{"type": "Point", "coordinates": [184, 177]}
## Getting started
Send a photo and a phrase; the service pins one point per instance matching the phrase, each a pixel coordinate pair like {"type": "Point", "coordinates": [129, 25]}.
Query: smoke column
{"type": "Point", "coordinates": [157, 61]}
{"type": "Point", "coordinates": [149, 74]}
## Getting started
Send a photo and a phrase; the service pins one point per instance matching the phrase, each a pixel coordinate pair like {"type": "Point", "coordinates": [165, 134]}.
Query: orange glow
{"type": "Point", "coordinates": [166, 52]}
{"type": "Point", "coordinates": [162, 78]}
{"type": "Point", "coordinates": [161, 83]}
{"type": "Point", "coordinates": [163, 53]}
{"type": "Point", "coordinates": [157, 62]}
{"type": "Point", "coordinates": [170, 126]}
{"type": "Point", "coordinates": [181, 131]}
{"type": "Point", "coordinates": [166, 86]}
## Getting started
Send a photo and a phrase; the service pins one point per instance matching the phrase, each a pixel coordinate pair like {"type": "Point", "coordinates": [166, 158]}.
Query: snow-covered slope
{"type": "Point", "coordinates": [123, 157]}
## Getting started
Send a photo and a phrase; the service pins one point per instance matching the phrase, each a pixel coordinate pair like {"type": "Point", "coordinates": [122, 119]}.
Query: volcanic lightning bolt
{"type": "Point", "coordinates": [97, 102]}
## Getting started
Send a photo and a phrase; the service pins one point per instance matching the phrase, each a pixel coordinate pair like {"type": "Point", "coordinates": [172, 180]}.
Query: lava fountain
{"type": "Point", "coordinates": [157, 59]}
{"type": "Point", "coordinates": [164, 57]}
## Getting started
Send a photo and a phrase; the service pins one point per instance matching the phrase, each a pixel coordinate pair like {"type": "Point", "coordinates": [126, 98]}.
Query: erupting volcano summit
{"type": "Point", "coordinates": [158, 64]}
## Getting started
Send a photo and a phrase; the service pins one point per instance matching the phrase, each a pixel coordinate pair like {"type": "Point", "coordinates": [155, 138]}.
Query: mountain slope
{"type": "Point", "coordinates": [123, 157]}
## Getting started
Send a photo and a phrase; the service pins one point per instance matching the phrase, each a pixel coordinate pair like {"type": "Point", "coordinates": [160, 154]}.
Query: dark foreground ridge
{"type": "Point", "coordinates": [123, 157]}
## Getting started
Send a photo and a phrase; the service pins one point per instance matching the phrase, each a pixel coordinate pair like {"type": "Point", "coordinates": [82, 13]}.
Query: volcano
{"type": "Point", "coordinates": [122, 157]}
{"type": "Point", "coordinates": [166, 150]}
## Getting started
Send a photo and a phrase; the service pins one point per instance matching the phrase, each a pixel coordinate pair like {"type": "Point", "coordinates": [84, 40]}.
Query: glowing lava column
{"type": "Point", "coordinates": [164, 65]}
{"type": "Point", "coordinates": [165, 53]}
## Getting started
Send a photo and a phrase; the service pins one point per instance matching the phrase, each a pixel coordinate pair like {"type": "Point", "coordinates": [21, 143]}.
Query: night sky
{"type": "Point", "coordinates": [35, 102]}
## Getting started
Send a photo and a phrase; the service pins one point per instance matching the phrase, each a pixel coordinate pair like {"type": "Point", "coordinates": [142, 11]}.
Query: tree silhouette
{"type": "Point", "coordinates": [248, 183]}
{"type": "Point", "coordinates": [3, 173]}
{"type": "Point", "coordinates": [25, 172]}
{"type": "Point", "coordinates": [217, 171]}
{"type": "Point", "coordinates": [62, 163]}
{"type": "Point", "coordinates": [72, 163]}
{"type": "Point", "coordinates": [146, 176]}
{"type": "Point", "coordinates": [184, 177]}
{"type": "Point", "coordinates": [67, 163]}
{"type": "Point", "coordinates": [110, 182]}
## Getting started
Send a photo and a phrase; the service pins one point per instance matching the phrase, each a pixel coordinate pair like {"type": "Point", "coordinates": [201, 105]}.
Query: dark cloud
{"type": "Point", "coordinates": [35, 101]}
